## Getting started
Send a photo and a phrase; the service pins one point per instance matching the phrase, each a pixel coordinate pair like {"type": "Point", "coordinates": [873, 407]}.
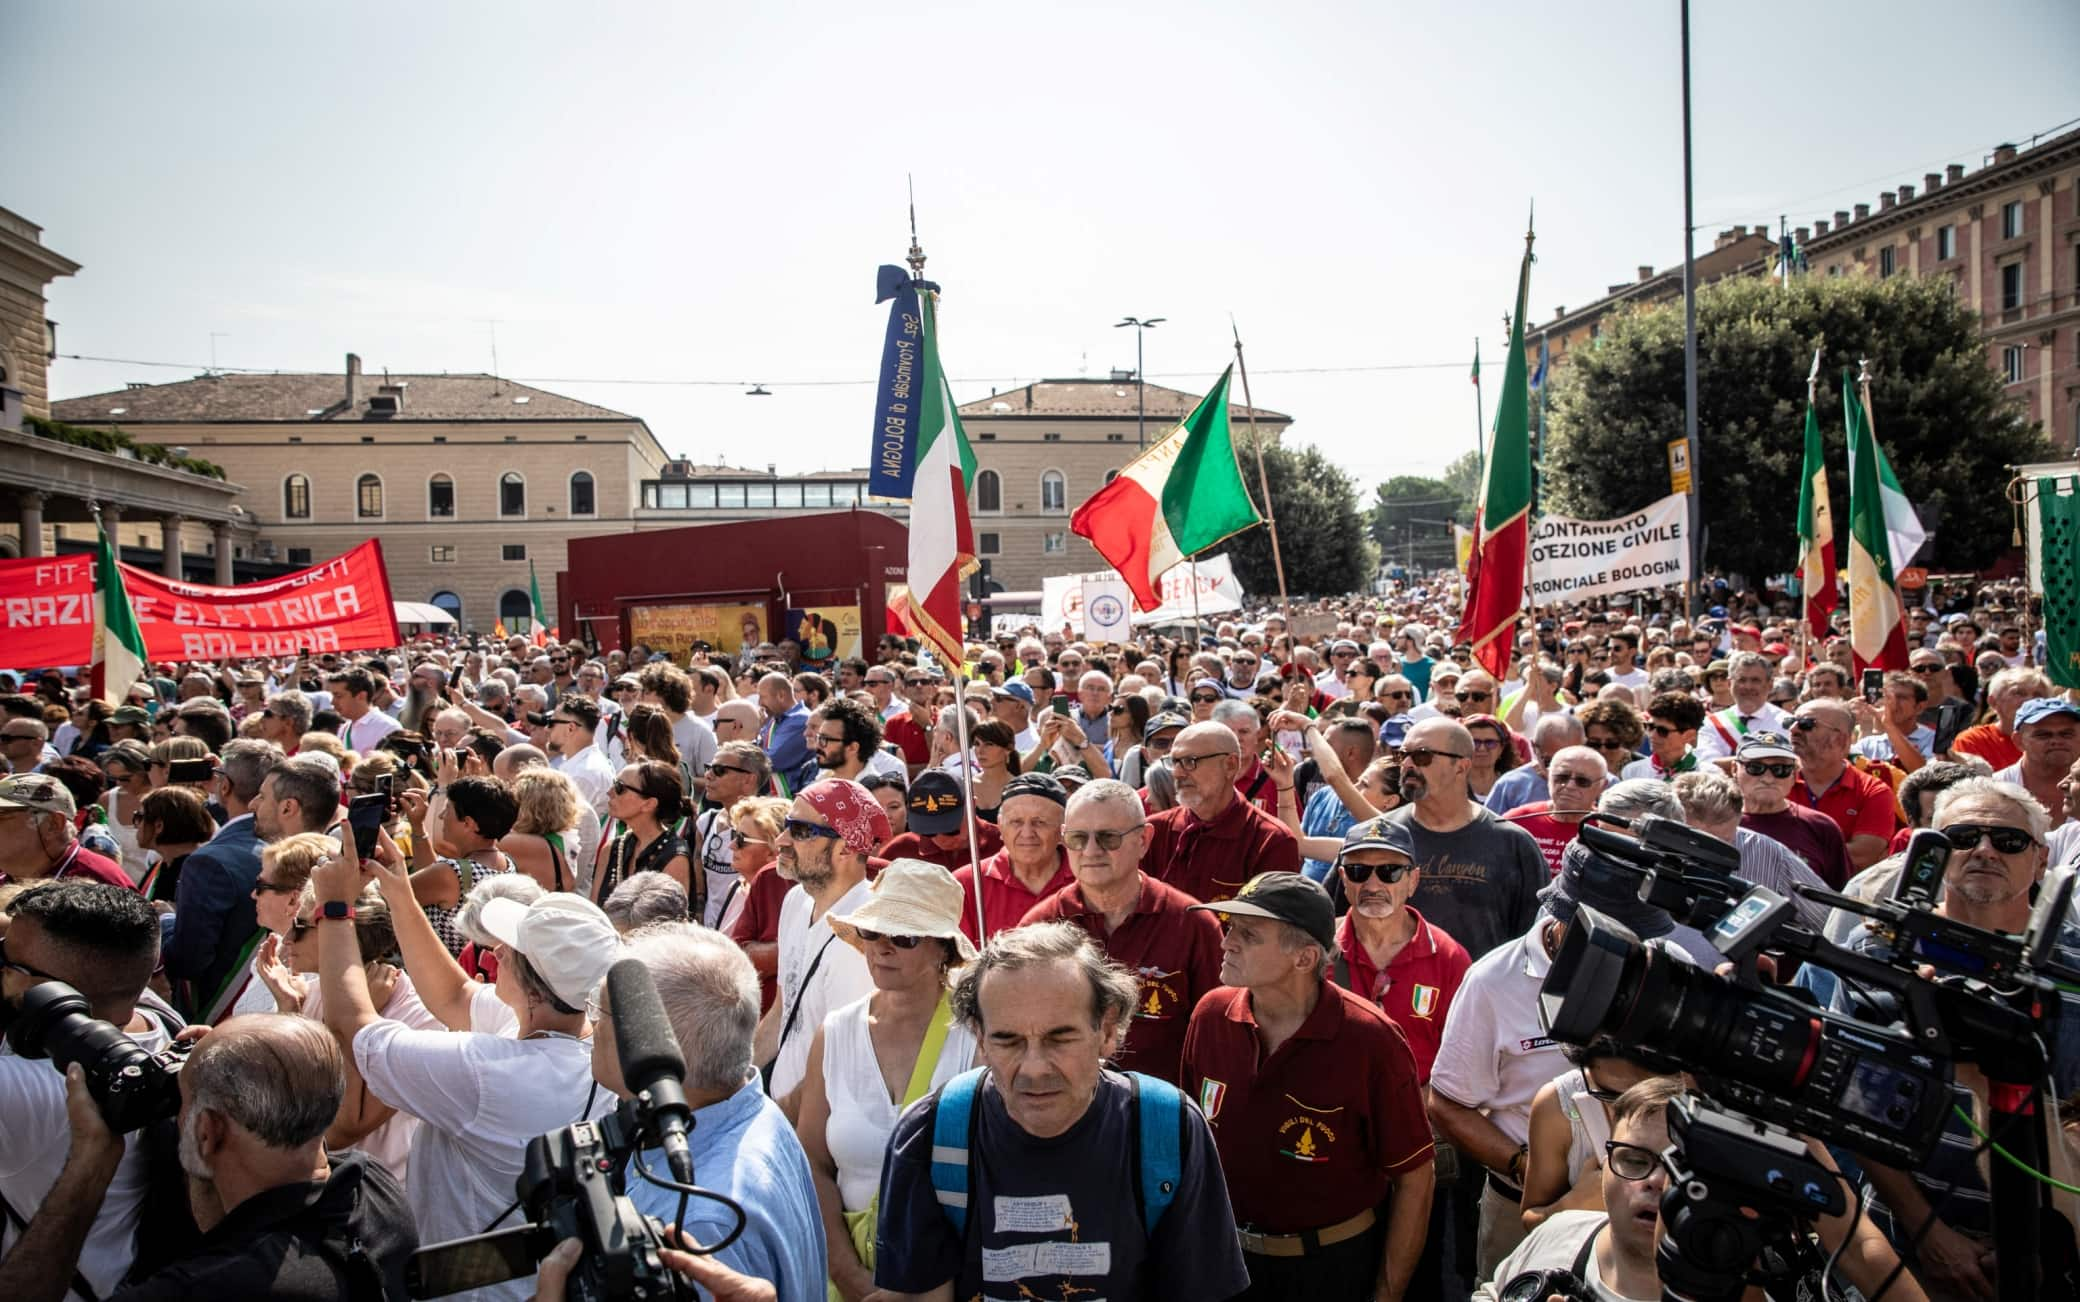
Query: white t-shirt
{"type": "Point", "coordinates": [367, 732]}
{"type": "Point", "coordinates": [862, 1116]}
{"type": "Point", "coordinates": [1556, 1245]}
{"type": "Point", "coordinates": [589, 771]}
{"type": "Point", "coordinates": [696, 743]}
{"type": "Point", "coordinates": [712, 847]}
{"type": "Point", "coordinates": [482, 1097]}
{"type": "Point", "coordinates": [1495, 1052]}
{"type": "Point", "coordinates": [34, 1140]}
{"type": "Point", "coordinates": [840, 978]}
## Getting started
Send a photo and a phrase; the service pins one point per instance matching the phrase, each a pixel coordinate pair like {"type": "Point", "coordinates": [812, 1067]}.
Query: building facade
{"type": "Point", "coordinates": [467, 480]}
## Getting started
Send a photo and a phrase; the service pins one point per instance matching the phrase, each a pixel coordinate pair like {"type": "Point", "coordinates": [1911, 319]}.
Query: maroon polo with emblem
{"type": "Point", "coordinates": [1212, 860]}
{"type": "Point", "coordinates": [1174, 954]}
{"type": "Point", "coordinates": [1313, 1134]}
{"type": "Point", "coordinates": [1416, 990]}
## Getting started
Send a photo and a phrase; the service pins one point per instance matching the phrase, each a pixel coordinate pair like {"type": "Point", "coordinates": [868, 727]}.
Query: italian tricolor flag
{"type": "Point", "coordinates": [1172, 502]}
{"type": "Point", "coordinates": [119, 657]}
{"type": "Point", "coordinates": [1877, 632]}
{"type": "Point", "coordinates": [1502, 520]}
{"type": "Point", "coordinates": [1816, 566]}
{"type": "Point", "coordinates": [942, 541]}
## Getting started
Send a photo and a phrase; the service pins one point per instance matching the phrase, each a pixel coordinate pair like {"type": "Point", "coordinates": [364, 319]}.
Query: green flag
{"type": "Point", "coordinates": [119, 658]}
{"type": "Point", "coordinates": [2056, 567]}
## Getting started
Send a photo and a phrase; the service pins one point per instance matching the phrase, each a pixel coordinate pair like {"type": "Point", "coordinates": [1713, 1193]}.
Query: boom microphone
{"type": "Point", "coordinates": [651, 1064]}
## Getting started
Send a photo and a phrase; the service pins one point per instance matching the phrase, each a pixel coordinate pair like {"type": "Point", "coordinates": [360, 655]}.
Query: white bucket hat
{"type": "Point", "coordinates": [911, 898]}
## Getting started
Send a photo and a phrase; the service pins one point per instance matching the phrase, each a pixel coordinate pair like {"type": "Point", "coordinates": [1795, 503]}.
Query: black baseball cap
{"type": "Point", "coordinates": [935, 803]}
{"type": "Point", "coordinates": [1284, 897]}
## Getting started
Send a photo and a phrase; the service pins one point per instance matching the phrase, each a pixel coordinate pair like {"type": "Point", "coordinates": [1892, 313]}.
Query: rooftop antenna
{"type": "Point", "coordinates": [491, 323]}
{"type": "Point", "coordinates": [215, 335]}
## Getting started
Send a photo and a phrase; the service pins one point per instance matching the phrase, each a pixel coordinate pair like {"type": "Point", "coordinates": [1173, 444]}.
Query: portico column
{"type": "Point", "coordinates": [223, 536]}
{"type": "Point", "coordinates": [170, 545]}
{"type": "Point", "coordinates": [112, 525]}
{"type": "Point", "coordinates": [30, 505]}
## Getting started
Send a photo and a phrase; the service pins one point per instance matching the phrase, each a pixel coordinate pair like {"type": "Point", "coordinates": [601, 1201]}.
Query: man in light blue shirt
{"type": "Point", "coordinates": [741, 1143]}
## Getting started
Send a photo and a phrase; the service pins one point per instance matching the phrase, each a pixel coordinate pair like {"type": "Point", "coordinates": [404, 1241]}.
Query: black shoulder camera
{"type": "Point", "coordinates": [132, 1086]}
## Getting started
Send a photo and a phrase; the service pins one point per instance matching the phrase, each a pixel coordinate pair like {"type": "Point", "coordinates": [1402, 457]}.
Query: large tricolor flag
{"type": "Point", "coordinates": [1502, 519]}
{"type": "Point", "coordinates": [119, 656]}
{"type": "Point", "coordinates": [1877, 631]}
{"type": "Point", "coordinates": [534, 596]}
{"type": "Point", "coordinates": [1172, 502]}
{"type": "Point", "coordinates": [942, 541]}
{"type": "Point", "coordinates": [1903, 530]}
{"type": "Point", "coordinates": [1816, 564]}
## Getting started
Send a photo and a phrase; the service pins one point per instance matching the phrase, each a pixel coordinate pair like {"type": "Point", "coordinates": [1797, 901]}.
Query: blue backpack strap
{"type": "Point", "coordinates": [1159, 1115]}
{"type": "Point", "coordinates": [952, 1116]}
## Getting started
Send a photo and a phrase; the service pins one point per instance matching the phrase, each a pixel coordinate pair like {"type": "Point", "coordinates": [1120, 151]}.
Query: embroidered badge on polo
{"type": "Point", "coordinates": [1423, 1002]}
{"type": "Point", "coordinates": [1211, 1092]}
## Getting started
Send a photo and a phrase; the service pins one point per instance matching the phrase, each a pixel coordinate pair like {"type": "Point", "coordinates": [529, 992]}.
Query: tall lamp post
{"type": "Point", "coordinates": [1141, 328]}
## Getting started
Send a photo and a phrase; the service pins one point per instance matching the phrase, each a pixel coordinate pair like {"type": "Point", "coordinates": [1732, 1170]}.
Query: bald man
{"type": "Point", "coordinates": [1213, 841]}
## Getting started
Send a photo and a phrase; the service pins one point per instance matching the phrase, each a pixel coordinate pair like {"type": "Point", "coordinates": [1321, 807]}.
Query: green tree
{"type": "Point", "coordinates": [1941, 414]}
{"type": "Point", "coordinates": [1413, 515]}
{"type": "Point", "coordinates": [1463, 476]}
{"type": "Point", "coordinates": [1321, 531]}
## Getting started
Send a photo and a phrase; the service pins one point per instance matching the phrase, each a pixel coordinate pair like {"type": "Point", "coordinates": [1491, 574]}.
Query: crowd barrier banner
{"type": "Point", "coordinates": [1573, 559]}
{"type": "Point", "coordinates": [344, 604]}
{"type": "Point", "coordinates": [1063, 598]}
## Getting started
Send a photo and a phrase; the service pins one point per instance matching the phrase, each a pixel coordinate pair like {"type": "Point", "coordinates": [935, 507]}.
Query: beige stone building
{"type": "Point", "coordinates": [466, 479]}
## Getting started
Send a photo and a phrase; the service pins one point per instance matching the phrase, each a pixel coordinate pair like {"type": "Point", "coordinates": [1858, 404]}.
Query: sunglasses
{"type": "Point", "coordinates": [1116, 709]}
{"type": "Point", "coordinates": [1422, 755]}
{"type": "Point", "coordinates": [876, 937]}
{"type": "Point", "coordinates": [1190, 763]}
{"type": "Point", "coordinates": [800, 828]}
{"type": "Point", "coordinates": [1582, 780]}
{"type": "Point", "coordinates": [1486, 743]}
{"type": "Point", "coordinates": [1609, 743]}
{"type": "Point", "coordinates": [738, 840]}
{"type": "Point", "coordinates": [2007, 840]}
{"type": "Point", "coordinates": [1756, 768]}
{"type": "Point", "coordinates": [301, 928]}
{"type": "Point", "coordinates": [262, 886]}
{"type": "Point", "coordinates": [728, 768]}
{"type": "Point", "coordinates": [1357, 874]}
{"type": "Point", "coordinates": [917, 682]}
{"type": "Point", "coordinates": [623, 786]}
{"type": "Point", "coordinates": [1472, 696]}
{"type": "Point", "coordinates": [1105, 840]}
{"type": "Point", "coordinates": [1805, 723]}
{"type": "Point", "coordinates": [1663, 729]}
{"type": "Point", "coordinates": [1630, 1161]}
{"type": "Point", "coordinates": [1202, 698]}
{"type": "Point", "coordinates": [1399, 696]}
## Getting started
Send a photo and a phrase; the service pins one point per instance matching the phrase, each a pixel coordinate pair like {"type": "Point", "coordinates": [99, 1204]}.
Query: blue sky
{"type": "Point", "coordinates": [693, 192]}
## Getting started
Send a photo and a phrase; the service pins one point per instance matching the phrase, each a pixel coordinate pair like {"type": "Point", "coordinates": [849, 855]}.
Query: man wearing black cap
{"type": "Point", "coordinates": [937, 830]}
{"type": "Point", "coordinates": [1156, 736]}
{"type": "Point", "coordinates": [1031, 866]}
{"type": "Point", "coordinates": [1314, 1103]}
{"type": "Point", "coordinates": [1385, 950]}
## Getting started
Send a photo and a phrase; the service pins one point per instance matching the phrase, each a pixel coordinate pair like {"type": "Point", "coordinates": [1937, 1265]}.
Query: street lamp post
{"type": "Point", "coordinates": [1141, 327]}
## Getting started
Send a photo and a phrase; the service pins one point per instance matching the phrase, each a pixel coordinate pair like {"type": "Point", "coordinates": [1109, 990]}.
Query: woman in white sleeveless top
{"type": "Point", "coordinates": [1570, 1123]}
{"type": "Point", "coordinates": [876, 1056]}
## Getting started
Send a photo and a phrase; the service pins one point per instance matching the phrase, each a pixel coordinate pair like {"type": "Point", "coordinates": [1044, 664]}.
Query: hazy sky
{"type": "Point", "coordinates": [702, 192]}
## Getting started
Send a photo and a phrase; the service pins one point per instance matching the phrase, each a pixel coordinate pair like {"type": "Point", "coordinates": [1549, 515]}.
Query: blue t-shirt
{"type": "Point", "coordinates": [1073, 1210]}
{"type": "Point", "coordinates": [1324, 816]}
{"type": "Point", "coordinates": [743, 1147]}
{"type": "Point", "coordinates": [1520, 786]}
{"type": "Point", "coordinates": [1417, 672]}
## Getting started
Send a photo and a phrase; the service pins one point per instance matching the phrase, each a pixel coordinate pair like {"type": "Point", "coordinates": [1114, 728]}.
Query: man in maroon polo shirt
{"type": "Point", "coordinates": [1315, 1106]}
{"type": "Point", "coordinates": [1765, 768]}
{"type": "Point", "coordinates": [1214, 840]}
{"type": "Point", "coordinates": [1030, 867]}
{"type": "Point", "coordinates": [937, 829]}
{"type": "Point", "coordinates": [38, 840]}
{"type": "Point", "coordinates": [1139, 922]}
{"type": "Point", "coordinates": [1385, 950]}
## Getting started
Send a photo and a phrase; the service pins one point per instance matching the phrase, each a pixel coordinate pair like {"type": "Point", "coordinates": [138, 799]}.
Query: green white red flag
{"type": "Point", "coordinates": [119, 659]}
{"type": "Point", "coordinates": [1816, 564]}
{"type": "Point", "coordinates": [1502, 518]}
{"type": "Point", "coordinates": [1172, 502]}
{"type": "Point", "coordinates": [942, 539]}
{"type": "Point", "coordinates": [1877, 628]}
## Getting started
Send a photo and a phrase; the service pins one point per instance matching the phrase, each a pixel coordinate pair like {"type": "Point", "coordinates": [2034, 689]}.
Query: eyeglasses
{"type": "Point", "coordinates": [738, 840]}
{"type": "Point", "coordinates": [1105, 840]}
{"type": "Point", "coordinates": [1205, 698]}
{"type": "Point", "coordinates": [1421, 756]}
{"type": "Point", "coordinates": [1357, 874]}
{"type": "Point", "coordinates": [876, 937]}
{"type": "Point", "coordinates": [1160, 745]}
{"type": "Point", "coordinates": [1663, 729]}
{"type": "Point", "coordinates": [799, 828]}
{"type": "Point", "coordinates": [1486, 743]}
{"type": "Point", "coordinates": [298, 928]}
{"type": "Point", "coordinates": [1630, 1161]}
{"type": "Point", "coordinates": [2007, 840]}
{"type": "Point", "coordinates": [825, 739]}
{"type": "Point", "coordinates": [1189, 763]}
{"type": "Point", "coordinates": [1609, 743]}
{"type": "Point", "coordinates": [1582, 780]}
{"type": "Point", "coordinates": [262, 886]}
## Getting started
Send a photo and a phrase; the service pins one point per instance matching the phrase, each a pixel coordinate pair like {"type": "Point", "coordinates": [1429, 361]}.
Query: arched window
{"type": "Point", "coordinates": [581, 493]}
{"type": "Point", "coordinates": [440, 497]}
{"type": "Point", "coordinates": [368, 497]}
{"type": "Point", "coordinates": [449, 602]}
{"type": "Point", "coordinates": [514, 611]}
{"type": "Point", "coordinates": [1054, 492]}
{"type": "Point", "coordinates": [512, 494]}
{"type": "Point", "coordinates": [296, 497]}
{"type": "Point", "coordinates": [989, 491]}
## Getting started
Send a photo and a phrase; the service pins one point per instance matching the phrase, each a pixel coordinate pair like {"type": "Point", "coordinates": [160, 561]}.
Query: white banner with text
{"type": "Point", "coordinates": [1571, 559]}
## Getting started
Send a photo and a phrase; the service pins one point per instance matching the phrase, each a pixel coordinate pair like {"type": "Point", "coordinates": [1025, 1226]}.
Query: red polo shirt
{"type": "Point", "coordinates": [760, 922]}
{"type": "Point", "coordinates": [909, 737]}
{"type": "Point", "coordinates": [1210, 861]}
{"type": "Point", "coordinates": [1859, 804]}
{"type": "Point", "coordinates": [1988, 742]}
{"type": "Point", "coordinates": [1175, 955]}
{"type": "Point", "coordinates": [1255, 785]}
{"type": "Point", "coordinates": [910, 845]}
{"type": "Point", "coordinates": [1311, 1135]}
{"type": "Point", "coordinates": [1416, 990]}
{"type": "Point", "coordinates": [1005, 899]}
{"type": "Point", "coordinates": [1553, 835]}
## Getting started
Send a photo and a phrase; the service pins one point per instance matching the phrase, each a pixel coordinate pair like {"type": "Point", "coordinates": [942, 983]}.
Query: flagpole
{"type": "Point", "coordinates": [960, 727]}
{"type": "Point", "coordinates": [1480, 419]}
{"type": "Point", "coordinates": [1690, 338]}
{"type": "Point", "coordinates": [1805, 598]}
{"type": "Point", "coordinates": [1263, 480]}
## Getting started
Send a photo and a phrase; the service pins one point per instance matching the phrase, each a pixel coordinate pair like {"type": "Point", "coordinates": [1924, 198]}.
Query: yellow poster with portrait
{"type": "Point", "coordinates": [727, 628]}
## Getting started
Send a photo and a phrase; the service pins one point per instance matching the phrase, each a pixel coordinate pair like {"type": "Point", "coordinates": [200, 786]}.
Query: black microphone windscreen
{"type": "Point", "coordinates": [643, 1038]}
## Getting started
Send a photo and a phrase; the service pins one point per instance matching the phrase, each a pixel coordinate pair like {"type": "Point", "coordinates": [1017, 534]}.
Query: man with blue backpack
{"type": "Point", "coordinates": [1042, 1173]}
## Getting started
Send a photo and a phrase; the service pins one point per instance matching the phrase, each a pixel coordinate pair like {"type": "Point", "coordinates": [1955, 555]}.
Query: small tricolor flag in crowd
{"type": "Point", "coordinates": [1816, 565]}
{"type": "Point", "coordinates": [542, 631]}
{"type": "Point", "coordinates": [1877, 631]}
{"type": "Point", "coordinates": [119, 657]}
{"type": "Point", "coordinates": [1502, 522]}
{"type": "Point", "coordinates": [1172, 502]}
{"type": "Point", "coordinates": [942, 539]}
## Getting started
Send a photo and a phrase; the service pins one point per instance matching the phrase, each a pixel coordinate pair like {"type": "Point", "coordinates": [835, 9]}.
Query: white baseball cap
{"type": "Point", "coordinates": [564, 937]}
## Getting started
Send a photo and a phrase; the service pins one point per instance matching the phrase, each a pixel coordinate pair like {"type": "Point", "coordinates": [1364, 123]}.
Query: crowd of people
{"type": "Point", "coordinates": [1202, 967]}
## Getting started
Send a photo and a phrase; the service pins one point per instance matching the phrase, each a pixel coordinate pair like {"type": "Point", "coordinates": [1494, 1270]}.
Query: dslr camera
{"type": "Point", "coordinates": [132, 1087]}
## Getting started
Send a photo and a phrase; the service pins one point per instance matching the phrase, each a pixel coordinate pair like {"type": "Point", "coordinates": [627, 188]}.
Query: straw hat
{"type": "Point", "coordinates": [910, 898]}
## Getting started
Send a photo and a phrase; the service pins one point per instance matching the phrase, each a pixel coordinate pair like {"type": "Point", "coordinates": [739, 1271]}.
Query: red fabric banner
{"type": "Point", "coordinates": [47, 611]}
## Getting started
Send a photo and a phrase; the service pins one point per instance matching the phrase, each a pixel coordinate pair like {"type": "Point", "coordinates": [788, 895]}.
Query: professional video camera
{"type": "Point", "coordinates": [1780, 1066]}
{"type": "Point", "coordinates": [133, 1087]}
{"type": "Point", "coordinates": [573, 1183]}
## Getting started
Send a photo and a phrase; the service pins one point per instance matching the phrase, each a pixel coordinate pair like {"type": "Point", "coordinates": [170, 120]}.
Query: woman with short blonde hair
{"type": "Point", "coordinates": [539, 844]}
